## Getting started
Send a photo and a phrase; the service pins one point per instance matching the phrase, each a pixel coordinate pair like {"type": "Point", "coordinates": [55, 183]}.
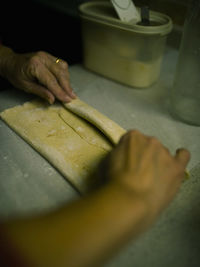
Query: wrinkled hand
{"type": "Point", "coordinates": [147, 170]}
{"type": "Point", "coordinates": [38, 73]}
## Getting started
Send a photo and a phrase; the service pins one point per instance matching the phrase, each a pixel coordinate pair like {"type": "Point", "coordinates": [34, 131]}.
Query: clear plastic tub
{"type": "Point", "coordinates": [130, 54]}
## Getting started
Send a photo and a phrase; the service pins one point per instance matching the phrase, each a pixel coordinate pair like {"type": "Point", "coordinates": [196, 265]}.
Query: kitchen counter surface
{"type": "Point", "coordinates": [30, 185]}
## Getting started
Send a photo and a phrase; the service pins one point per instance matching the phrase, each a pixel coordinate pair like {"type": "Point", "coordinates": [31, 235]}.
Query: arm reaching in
{"type": "Point", "coordinates": [143, 178]}
{"type": "Point", "coordinates": [39, 73]}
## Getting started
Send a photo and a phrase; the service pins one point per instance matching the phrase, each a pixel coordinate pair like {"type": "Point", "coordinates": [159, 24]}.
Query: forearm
{"type": "Point", "coordinates": [6, 55]}
{"type": "Point", "coordinates": [84, 233]}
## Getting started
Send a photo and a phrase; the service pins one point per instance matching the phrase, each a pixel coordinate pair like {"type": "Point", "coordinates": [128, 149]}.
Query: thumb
{"type": "Point", "coordinates": [182, 156]}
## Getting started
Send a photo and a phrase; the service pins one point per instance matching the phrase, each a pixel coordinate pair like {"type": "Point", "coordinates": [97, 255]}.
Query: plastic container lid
{"type": "Point", "coordinates": [104, 13]}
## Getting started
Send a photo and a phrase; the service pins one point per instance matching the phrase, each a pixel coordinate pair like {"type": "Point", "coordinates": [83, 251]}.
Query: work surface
{"type": "Point", "coordinates": [29, 184]}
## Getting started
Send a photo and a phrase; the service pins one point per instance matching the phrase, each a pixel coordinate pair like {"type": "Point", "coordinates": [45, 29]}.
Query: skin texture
{"type": "Point", "coordinates": [141, 179]}
{"type": "Point", "coordinates": [149, 167]}
{"type": "Point", "coordinates": [37, 73]}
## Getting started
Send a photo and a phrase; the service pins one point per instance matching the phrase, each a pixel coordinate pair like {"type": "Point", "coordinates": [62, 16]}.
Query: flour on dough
{"type": "Point", "coordinates": [70, 144]}
{"type": "Point", "coordinates": [111, 129]}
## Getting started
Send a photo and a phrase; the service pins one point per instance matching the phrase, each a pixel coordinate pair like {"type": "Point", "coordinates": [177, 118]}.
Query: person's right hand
{"type": "Point", "coordinates": [147, 170]}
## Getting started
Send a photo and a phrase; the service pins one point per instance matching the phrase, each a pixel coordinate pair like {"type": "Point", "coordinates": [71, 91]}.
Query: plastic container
{"type": "Point", "coordinates": [130, 54]}
{"type": "Point", "coordinates": [185, 93]}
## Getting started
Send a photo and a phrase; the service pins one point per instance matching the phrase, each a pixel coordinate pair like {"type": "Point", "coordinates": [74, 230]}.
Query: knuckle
{"type": "Point", "coordinates": [63, 75]}
{"type": "Point", "coordinates": [53, 83]}
{"type": "Point", "coordinates": [33, 65]}
{"type": "Point", "coordinates": [35, 59]}
{"type": "Point", "coordinates": [153, 140]}
{"type": "Point", "coordinates": [63, 64]}
{"type": "Point", "coordinates": [131, 136]}
{"type": "Point", "coordinates": [60, 94]}
{"type": "Point", "coordinates": [134, 132]}
{"type": "Point", "coordinates": [40, 54]}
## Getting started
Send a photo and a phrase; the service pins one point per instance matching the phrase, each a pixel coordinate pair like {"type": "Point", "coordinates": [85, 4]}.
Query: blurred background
{"type": "Point", "coordinates": [54, 25]}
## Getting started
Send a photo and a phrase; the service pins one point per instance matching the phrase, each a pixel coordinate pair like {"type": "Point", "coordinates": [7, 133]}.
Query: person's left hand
{"type": "Point", "coordinates": [42, 74]}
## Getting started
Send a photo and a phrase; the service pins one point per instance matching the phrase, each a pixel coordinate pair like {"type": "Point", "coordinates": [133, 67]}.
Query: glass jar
{"type": "Point", "coordinates": [185, 94]}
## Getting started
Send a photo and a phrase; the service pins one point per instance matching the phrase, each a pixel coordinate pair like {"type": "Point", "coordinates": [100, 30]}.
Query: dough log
{"type": "Point", "coordinates": [111, 129]}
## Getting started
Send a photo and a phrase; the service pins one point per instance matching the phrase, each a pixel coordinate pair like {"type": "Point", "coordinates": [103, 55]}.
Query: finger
{"type": "Point", "coordinates": [40, 91]}
{"type": "Point", "coordinates": [47, 79]}
{"type": "Point", "coordinates": [156, 142]}
{"type": "Point", "coordinates": [123, 138]}
{"type": "Point", "coordinates": [182, 156]}
{"type": "Point", "coordinates": [136, 148]}
{"type": "Point", "coordinates": [60, 70]}
{"type": "Point", "coordinates": [61, 73]}
{"type": "Point", "coordinates": [118, 156]}
{"type": "Point", "coordinates": [128, 148]}
{"type": "Point", "coordinates": [127, 135]}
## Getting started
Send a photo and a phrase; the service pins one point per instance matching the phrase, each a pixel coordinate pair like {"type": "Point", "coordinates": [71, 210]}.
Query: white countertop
{"type": "Point", "coordinates": [29, 184]}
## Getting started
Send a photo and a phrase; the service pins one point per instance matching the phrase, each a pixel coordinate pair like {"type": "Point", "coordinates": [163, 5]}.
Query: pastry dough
{"type": "Point", "coordinates": [68, 142]}
{"type": "Point", "coordinates": [112, 130]}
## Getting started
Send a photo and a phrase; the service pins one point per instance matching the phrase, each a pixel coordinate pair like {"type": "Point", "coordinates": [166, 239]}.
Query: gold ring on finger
{"type": "Point", "coordinates": [57, 60]}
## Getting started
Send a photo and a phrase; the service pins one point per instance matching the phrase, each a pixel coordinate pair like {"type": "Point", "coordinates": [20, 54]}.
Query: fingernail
{"type": "Point", "coordinates": [66, 99]}
{"type": "Point", "coordinates": [73, 95]}
{"type": "Point", "coordinates": [51, 101]}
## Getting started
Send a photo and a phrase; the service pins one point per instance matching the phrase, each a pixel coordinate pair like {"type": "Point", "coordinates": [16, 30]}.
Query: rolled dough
{"type": "Point", "coordinates": [112, 130]}
{"type": "Point", "coordinates": [71, 144]}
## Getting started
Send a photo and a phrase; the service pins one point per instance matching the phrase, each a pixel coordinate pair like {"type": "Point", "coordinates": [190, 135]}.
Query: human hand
{"type": "Point", "coordinates": [38, 73]}
{"type": "Point", "coordinates": [146, 169]}
{"type": "Point", "coordinates": [144, 178]}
